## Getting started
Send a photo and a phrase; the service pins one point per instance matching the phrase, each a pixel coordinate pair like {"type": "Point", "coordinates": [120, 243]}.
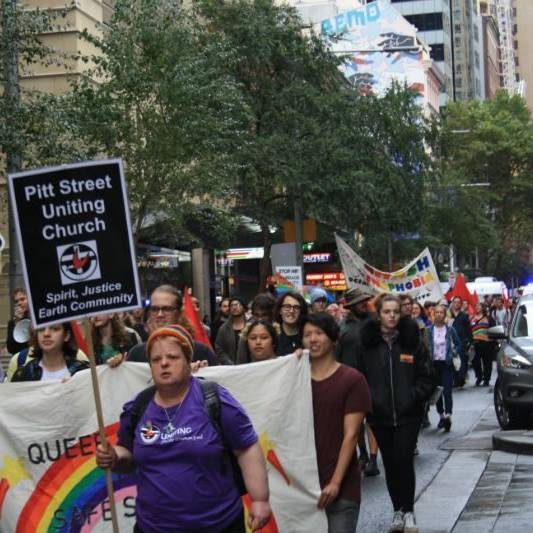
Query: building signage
{"type": "Point", "coordinates": [379, 47]}
{"type": "Point", "coordinates": [75, 240]}
{"type": "Point", "coordinates": [329, 280]}
{"type": "Point", "coordinates": [245, 253]}
{"type": "Point", "coordinates": [317, 258]}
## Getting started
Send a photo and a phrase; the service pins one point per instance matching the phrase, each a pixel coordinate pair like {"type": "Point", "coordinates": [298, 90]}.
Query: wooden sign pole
{"type": "Point", "coordinates": [100, 418]}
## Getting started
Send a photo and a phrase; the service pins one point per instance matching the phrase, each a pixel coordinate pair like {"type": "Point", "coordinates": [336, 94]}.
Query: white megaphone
{"type": "Point", "coordinates": [21, 331]}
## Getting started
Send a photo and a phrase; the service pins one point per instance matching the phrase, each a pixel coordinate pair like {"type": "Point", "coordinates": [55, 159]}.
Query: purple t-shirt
{"type": "Point", "coordinates": [184, 483]}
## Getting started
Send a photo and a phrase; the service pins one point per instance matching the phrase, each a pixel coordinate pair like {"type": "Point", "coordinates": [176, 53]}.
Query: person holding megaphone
{"type": "Point", "coordinates": [18, 327]}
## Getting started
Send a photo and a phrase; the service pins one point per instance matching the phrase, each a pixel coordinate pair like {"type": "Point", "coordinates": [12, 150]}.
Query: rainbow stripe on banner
{"type": "Point", "coordinates": [71, 496]}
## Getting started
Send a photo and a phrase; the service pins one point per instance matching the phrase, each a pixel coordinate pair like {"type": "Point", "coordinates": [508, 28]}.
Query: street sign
{"type": "Point", "coordinates": [75, 240]}
{"type": "Point", "coordinates": [293, 274]}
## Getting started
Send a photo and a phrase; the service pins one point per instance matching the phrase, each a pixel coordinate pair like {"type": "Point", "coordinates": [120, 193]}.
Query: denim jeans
{"type": "Point", "coordinates": [342, 516]}
{"type": "Point", "coordinates": [445, 373]}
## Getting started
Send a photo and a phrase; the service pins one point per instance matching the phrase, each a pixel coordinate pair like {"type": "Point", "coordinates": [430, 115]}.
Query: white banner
{"type": "Point", "coordinates": [49, 480]}
{"type": "Point", "coordinates": [419, 278]}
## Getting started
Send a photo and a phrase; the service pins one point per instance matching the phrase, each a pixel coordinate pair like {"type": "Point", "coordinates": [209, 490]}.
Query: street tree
{"type": "Point", "coordinates": [313, 146]}
{"type": "Point", "coordinates": [164, 104]}
{"type": "Point", "coordinates": [392, 156]}
{"type": "Point", "coordinates": [20, 49]}
{"type": "Point", "coordinates": [487, 164]}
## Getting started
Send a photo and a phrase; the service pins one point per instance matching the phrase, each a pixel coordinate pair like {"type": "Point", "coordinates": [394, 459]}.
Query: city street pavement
{"type": "Point", "coordinates": [462, 485]}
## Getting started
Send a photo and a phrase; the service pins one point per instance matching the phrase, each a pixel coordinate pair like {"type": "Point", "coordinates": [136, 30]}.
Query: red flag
{"type": "Point", "coordinates": [80, 339]}
{"type": "Point", "coordinates": [192, 316]}
{"type": "Point", "coordinates": [460, 289]}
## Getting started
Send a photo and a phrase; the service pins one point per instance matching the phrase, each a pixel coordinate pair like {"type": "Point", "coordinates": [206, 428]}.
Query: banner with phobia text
{"type": "Point", "coordinates": [419, 278]}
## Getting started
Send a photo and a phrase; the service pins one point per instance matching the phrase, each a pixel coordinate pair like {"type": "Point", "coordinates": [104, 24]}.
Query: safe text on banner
{"type": "Point", "coordinates": [48, 475]}
{"type": "Point", "coordinates": [75, 240]}
{"type": "Point", "coordinates": [419, 278]}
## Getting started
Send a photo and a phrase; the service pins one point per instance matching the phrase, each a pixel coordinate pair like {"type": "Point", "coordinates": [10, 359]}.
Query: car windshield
{"type": "Point", "coordinates": [523, 323]}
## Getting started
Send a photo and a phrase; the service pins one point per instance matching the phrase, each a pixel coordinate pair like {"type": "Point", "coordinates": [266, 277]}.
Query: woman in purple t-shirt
{"type": "Point", "coordinates": [183, 480]}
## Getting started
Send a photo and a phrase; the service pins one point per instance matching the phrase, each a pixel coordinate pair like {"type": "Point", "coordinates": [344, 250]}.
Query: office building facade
{"type": "Point", "coordinates": [522, 12]}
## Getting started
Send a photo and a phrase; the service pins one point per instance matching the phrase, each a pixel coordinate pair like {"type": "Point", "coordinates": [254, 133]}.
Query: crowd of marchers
{"type": "Point", "coordinates": [378, 363]}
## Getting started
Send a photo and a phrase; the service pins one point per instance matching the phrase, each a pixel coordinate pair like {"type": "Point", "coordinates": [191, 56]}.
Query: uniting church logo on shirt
{"type": "Point", "coordinates": [179, 434]}
{"type": "Point", "coordinates": [150, 433]}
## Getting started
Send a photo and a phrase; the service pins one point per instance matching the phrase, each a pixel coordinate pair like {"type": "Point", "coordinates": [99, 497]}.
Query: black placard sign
{"type": "Point", "coordinates": [75, 240]}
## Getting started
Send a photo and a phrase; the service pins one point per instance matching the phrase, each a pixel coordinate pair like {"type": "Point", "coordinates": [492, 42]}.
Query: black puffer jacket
{"type": "Point", "coordinates": [349, 341]}
{"type": "Point", "coordinates": [401, 377]}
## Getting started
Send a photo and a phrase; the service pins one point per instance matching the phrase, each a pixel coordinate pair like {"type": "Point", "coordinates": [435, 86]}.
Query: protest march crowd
{"type": "Point", "coordinates": [378, 364]}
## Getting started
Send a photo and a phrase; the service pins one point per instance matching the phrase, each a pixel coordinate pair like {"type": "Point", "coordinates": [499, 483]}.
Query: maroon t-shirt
{"type": "Point", "coordinates": [345, 391]}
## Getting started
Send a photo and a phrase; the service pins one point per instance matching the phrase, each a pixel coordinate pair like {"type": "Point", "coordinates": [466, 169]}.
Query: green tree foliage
{"type": "Point", "coordinates": [20, 50]}
{"type": "Point", "coordinates": [164, 104]}
{"type": "Point", "coordinates": [393, 157]}
{"type": "Point", "coordinates": [488, 142]}
{"type": "Point", "coordinates": [235, 109]}
{"type": "Point", "coordinates": [347, 160]}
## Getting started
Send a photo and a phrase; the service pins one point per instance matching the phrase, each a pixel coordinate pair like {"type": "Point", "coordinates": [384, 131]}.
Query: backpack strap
{"type": "Point", "coordinates": [138, 408]}
{"type": "Point", "coordinates": [21, 358]}
{"type": "Point", "coordinates": [212, 407]}
{"type": "Point", "coordinates": [212, 404]}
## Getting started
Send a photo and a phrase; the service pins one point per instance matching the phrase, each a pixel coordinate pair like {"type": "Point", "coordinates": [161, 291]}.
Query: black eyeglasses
{"type": "Point", "coordinates": [165, 309]}
{"type": "Point", "coordinates": [289, 307]}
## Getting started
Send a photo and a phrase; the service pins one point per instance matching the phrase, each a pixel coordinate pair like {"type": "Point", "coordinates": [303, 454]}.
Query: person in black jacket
{"type": "Point", "coordinates": [356, 302]}
{"type": "Point", "coordinates": [221, 317]}
{"type": "Point", "coordinates": [290, 314]}
{"type": "Point", "coordinates": [401, 379]}
{"type": "Point", "coordinates": [461, 324]}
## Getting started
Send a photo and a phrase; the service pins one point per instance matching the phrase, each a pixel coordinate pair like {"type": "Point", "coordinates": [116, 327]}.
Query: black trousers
{"type": "Point", "coordinates": [237, 526]}
{"type": "Point", "coordinates": [482, 361]}
{"type": "Point", "coordinates": [397, 446]}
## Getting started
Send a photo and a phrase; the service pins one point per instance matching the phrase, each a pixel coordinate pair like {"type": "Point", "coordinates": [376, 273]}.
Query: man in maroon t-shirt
{"type": "Point", "coordinates": [340, 401]}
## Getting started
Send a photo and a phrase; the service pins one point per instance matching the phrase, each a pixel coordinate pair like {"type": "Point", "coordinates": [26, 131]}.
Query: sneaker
{"type": "Point", "coordinates": [410, 523]}
{"type": "Point", "coordinates": [397, 524]}
{"type": "Point", "coordinates": [371, 468]}
{"type": "Point", "coordinates": [447, 423]}
{"type": "Point", "coordinates": [440, 425]}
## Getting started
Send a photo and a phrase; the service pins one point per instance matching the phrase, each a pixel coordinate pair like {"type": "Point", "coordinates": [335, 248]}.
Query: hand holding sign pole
{"type": "Point", "coordinates": [101, 424]}
{"type": "Point", "coordinates": [76, 244]}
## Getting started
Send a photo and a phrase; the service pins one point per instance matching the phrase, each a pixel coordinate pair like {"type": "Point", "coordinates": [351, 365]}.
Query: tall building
{"type": "Point", "coordinates": [467, 50]}
{"type": "Point", "coordinates": [85, 14]}
{"type": "Point", "coordinates": [453, 29]}
{"type": "Point", "coordinates": [502, 12]}
{"type": "Point", "coordinates": [522, 11]}
{"type": "Point", "coordinates": [491, 55]}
